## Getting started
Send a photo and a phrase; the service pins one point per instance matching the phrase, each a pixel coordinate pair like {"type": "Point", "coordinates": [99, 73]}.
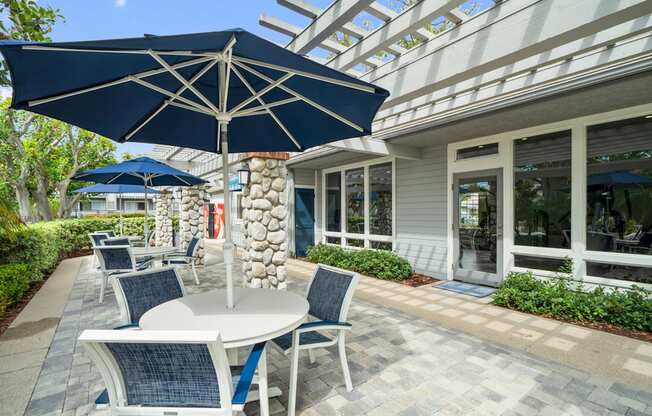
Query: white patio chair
{"type": "Point", "coordinates": [116, 260]}
{"type": "Point", "coordinates": [96, 239]}
{"type": "Point", "coordinates": [173, 372]}
{"type": "Point", "coordinates": [185, 258]}
{"type": "Point", "coordinates": [139, 292]}
{"type": "Point", "coordinates": [329, 294]}
{"type": "Point", "coordinates": [110, 233]}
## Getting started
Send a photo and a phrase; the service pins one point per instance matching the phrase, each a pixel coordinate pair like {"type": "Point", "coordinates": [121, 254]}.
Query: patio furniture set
{"type": "Point", "coordinates": [178, 353]}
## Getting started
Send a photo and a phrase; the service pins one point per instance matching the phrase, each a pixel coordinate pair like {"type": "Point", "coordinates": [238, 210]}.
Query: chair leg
{"type": "Point", "coordinates": [311, 355]}
{"type": "Point", "coordinates": [263, 395]}
{"type": "Point", "coordinates": [345, 365]}
{"type": "Point", "coordinates": [103, 287]}
{"type": "Point", "coordinates": [194, 271]}
{"type": "Point", "coordinates": [294, 369]}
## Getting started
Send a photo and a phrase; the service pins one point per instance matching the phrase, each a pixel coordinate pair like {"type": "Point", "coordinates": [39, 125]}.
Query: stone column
{"type": "Point", "coordinates": [163, 202]}
{"type": "Point", "coordinates": [264, 203]}
{"type": "Point", "coordinates": [191, 221]}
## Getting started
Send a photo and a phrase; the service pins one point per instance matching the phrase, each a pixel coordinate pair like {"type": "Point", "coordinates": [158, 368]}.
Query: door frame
{"type": "Point", "coordinates": [294, 208]}
{"type": "Point", "coordinates": [483, 278]}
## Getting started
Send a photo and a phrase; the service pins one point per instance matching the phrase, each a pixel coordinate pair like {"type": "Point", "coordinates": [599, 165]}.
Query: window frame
{"type": "Point", "coordinates": [344, 236]}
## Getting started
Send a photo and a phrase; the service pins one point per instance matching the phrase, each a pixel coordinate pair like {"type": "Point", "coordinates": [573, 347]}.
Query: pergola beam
{"type": "Point", "coordinates": [303, 8]}
{"type": "Point", "coordinates": [506, 40]}
{"type": "Point", "coordinates": [456, 16]}
{"type": "Point", "coordinates": [411, 20]}
{"type": "Point", "coordinates": [377, 147]}
{"type": "Point", "coordinates": [279, 25]}
{"type": "Point", "coordinates": [327, 23]}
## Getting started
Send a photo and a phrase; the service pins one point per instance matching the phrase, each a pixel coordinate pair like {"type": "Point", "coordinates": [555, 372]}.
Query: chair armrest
{"type": "Point", "coordinates": [128, 326]}
{"type": "Point", "coordinates": [247, 374]}
{"type": "Point", "coordinates": [314, 325]}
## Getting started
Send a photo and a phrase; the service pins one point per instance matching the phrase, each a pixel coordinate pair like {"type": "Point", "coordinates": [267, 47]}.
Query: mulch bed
{"type": "Point", "coordinates": [417, 280]}
{"type": "Point", "coordinates": [11, 313]}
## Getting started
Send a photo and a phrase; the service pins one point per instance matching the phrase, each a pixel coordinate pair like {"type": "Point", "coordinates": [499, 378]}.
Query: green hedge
{"type": "Point", "coordinates": [14, 283]}
{"type": "Point", "coordinates": [32, 252]}
{"type": "Point", "coordinates": [570, 301]}
{"type": "Point", "coordinates": [379, 263]}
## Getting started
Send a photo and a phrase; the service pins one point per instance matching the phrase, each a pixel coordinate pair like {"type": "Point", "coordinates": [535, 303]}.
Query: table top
{"type": "Point", "coordinates": [153, 251]}
{"type": "Point", "coordinates": [259, 315]}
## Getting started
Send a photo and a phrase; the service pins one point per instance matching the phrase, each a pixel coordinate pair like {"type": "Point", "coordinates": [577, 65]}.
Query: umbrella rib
{"type": "Point", "coordinates": [257, 110]}
{"type": "Point", "coordinates": [122, 80]}
{"type": "Point", "coordinates": [184, 81]}
{"type": "Point", "coordinates": [169, 94]}
{"type": "Point", "coordinates": [211, 55]}
{"type": "Point", "coordinates": [183, 180]}
{"type": "Point", "coordinates": [256, 95]}
{"type": "Point", "coordinates": [168, 102]}
{"type": "Point", "coordinates": [303, 98]}
{"type": "Point", "coordinates": [305, 74]}
{"type": "Point", "coordinates": [271, 113]}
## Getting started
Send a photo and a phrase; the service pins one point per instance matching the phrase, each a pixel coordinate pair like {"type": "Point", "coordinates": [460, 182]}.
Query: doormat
{"type": "Point", "coordinates": [476, 291]}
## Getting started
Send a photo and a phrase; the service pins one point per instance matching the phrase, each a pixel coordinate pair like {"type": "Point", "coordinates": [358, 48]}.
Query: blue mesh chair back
{"type": "Point", "coordinates": [143, 291]}
{"type": "Point", "coordinates": [110, 233]}
{"type": "Point", "coordinates": [190, 251]}
{"type": "Point", "coordinates": [98, 238]}
{"type": "Point", "coordinates": [117, 258]}
{"type": "Point", "coordinates": [116, 241]}
{"type": "Point", "coordinates": [327, 293]}
{"type": "Point", "coordinates": [176, 375]}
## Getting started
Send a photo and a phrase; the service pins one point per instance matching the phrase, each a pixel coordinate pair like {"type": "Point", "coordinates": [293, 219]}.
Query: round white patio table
{"type": "Point", "coordinates": [153, 251]}
{"type": "Point", "coordinates": [259, 315]}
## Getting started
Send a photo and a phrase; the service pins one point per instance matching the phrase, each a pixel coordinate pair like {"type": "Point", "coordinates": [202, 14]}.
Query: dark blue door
{"type": "Point", "coordinates": [304, 220]}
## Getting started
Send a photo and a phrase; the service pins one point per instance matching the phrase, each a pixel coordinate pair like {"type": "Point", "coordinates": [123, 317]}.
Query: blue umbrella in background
{"type": "Point", "coordinates": [101, 188]}
{"type": "Point", "coordinates": [142, 171]}
{"type": "Point", "coordinates": [190, 91]}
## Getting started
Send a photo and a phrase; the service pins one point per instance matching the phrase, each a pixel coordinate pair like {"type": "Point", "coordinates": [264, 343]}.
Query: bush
{"type": "Point", "coordinates": [570, 301]}
{"type": "Point", "coordinates": [379, 263]}
{"type": "Point", "coordinates": [14, 283]}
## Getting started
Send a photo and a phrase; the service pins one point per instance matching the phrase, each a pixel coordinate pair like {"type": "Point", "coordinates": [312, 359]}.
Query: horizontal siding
{"type": "Point", "coordinates": [421, 217]}
{"type": "Point", "coordinates": [304, 177]}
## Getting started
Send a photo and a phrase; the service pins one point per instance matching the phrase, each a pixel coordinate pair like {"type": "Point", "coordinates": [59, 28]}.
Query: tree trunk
{"type": "Point", "coordinates": [42, 202]}
{"type": "Point", "coordinates": [24, 206]}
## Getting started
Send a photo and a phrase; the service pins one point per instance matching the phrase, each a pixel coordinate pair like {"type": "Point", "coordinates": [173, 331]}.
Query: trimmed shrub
{"type": "Point", "coordinates": [14, 283]}
{"type": "Point", "coordinates": [570, 301]}
{"type": "Point", "coordinates": [382, 264]}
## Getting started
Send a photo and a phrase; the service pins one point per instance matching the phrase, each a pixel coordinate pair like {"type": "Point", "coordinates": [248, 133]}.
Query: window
{"type": "Point", "coordinates": [542, 190]}
{"type": "Point", "coordinates": [380, 199]}
{"type": "Point", "coordinates": [355, 201]}
{"type": "Point", "coordinates": [333, 240]}
{"type": "Point", "coordinates": [619, 192]}
{"type": "Point", "coordinates": [333, 204]}
{"type": "Point", "coordinates": [620, 272]}
{"type": "Point", "coordinates": [476, 151]}
{"type": "Point", "coordinates": [538, 263]}
{"type": "Point", "coordinates": [354, 242]}
{"type": "Point", "coordinates": [381, 245]}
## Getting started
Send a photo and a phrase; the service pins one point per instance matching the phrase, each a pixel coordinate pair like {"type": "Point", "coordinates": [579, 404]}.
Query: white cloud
{"type": "Point", "coordinates": [120, 3]}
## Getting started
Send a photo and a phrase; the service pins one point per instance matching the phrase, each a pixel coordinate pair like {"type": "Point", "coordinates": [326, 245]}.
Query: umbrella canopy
{"type": "Point", "coordinates": [142, 170]}
{"type": "Point", "coordinates": [100, 188]}
{"type": "Point", "coordinates": [190, 91]}
{"type": "Point", "coordinates": [621, 177]}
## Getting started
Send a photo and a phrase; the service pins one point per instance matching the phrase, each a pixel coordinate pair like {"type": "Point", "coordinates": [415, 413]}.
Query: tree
{"type": "Point", "coordinates": [26, 20]}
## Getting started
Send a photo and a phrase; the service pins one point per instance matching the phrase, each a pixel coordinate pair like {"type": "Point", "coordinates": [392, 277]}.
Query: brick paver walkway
{"type": "Point", "coordinates": [401, 364]}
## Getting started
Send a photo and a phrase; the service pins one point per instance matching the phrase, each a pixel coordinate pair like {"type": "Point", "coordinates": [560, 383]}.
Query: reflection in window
{"type": "Point", "coordinates": [477, 151]}
{"type": "Point", "coordinates": [355, 201]}
{"type": "Point", "coordinates": [478, 216]}
{"type": "Point", "coordinates": [380, 199]}
{"type": "Point", "coordinates": [333, 205]}
{"type": "Point", "coordinates": [620, 272]}
{"type": "Point", "coordinates": [542, 190]}
{"type": "Point", "coordinates": [538, 263]}
{"type": "Point", "coordinates": [619, 191]}
{"type": "Point", "coordinates": [381, 245]}
{"type": "Point", "coordinates": [333, 240]}
{"type": "Point", "coordinates": [354, 242]}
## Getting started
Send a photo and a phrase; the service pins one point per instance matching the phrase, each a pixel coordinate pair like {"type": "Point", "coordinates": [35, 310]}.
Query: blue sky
{"type": "Point", "coordinates": [128, 18]}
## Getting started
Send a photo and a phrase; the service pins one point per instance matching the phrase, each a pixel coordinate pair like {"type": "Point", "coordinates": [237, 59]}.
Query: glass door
{"type": "Point", "coordinates": [477, 226]}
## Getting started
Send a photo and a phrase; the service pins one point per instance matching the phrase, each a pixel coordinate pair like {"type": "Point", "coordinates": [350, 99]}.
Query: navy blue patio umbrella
{"type": "Point", "coordinates": [142, 171]}
{"type": "Point", "coordinates": [100, 188]}
{"type": "Point", "coordinates": [189, 90]}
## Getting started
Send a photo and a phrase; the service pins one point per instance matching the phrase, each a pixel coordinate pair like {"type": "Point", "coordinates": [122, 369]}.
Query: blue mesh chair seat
{"type": "Point", "coordinates": [173, 372]}
{"type": "Point", "coordinates": [139, 292]}
{"type": "Point", "coordinates": [329, 295]}
{"type": "Point", "coordinates": [188, 257]}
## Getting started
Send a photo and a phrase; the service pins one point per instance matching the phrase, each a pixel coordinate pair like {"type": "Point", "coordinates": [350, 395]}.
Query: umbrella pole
{"type": "Point", "coordinates": [122, 231]}
{"type": "Point", "coordinates": [146, 226]}
{"type": "Point", "coordinates": [228, 244]}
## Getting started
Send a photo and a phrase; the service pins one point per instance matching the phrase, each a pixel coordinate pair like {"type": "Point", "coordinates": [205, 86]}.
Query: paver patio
{"type": "Point", "coordinates": [402, 360]}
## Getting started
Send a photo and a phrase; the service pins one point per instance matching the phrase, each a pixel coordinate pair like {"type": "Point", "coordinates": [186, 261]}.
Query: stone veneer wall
{"type": "Point", "coordinates": [191, 221]}
{"type": "Point", "coordinates": [264, 215]}
{"type": "Point", "coordinates": [164, 233]}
